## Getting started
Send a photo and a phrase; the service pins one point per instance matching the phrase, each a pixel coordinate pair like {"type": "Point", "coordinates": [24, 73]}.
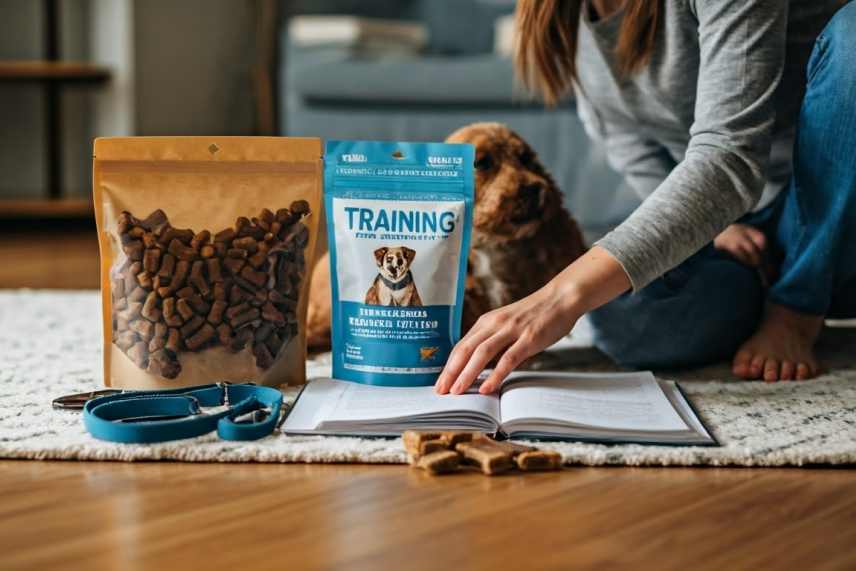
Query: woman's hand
{"type": "Point", "coordinates": [530, 325]}
{"type": "Point", "coordinates": [744, 242]}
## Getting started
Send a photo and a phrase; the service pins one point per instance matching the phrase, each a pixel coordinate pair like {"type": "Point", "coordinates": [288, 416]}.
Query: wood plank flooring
{"type": "Point", "coordinates": [65, 515]}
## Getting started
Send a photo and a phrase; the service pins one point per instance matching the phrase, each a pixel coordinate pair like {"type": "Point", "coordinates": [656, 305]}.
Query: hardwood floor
{"type": "Point", "coordinates": [49, 254]}
{"type": "Point", "coordinates": [64, 515]}
{"type": "Point", "coordinates": [164, 515]}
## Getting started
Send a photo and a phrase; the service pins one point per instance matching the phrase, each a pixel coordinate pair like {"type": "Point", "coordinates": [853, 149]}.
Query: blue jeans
{"type": "Point", "coordinates": [702, 310]}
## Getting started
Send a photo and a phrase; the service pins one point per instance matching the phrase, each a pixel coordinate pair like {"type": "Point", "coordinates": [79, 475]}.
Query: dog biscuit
{"type": "Point", "coordinates": [487, 455]}
{"type": "Point", "coordinates": [537, 460]}
{"type": "Point", "coordinates": [413, 439]}
{"type": "Point", "coordinates": [441, 462]}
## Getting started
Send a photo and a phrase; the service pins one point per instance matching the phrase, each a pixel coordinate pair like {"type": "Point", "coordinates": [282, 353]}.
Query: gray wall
{"type": "Point", "coordinates": [193, 62]}
{"type": "Point", "coordinates": [21, 105]}
{"type": "Point", "coordinates": [192, 67]}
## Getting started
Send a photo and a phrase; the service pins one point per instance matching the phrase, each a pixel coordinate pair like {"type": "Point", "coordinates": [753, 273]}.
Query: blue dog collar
{"type": "Point", "coordinates": [162, 415]}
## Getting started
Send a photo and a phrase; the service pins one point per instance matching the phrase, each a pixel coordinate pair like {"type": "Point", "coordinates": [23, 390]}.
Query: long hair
{"type": "Point", "coordinates": [546, 42]}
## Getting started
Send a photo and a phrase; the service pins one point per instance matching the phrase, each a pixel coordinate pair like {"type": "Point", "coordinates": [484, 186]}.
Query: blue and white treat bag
{"type": "Point", "coordinates": [399, 218]}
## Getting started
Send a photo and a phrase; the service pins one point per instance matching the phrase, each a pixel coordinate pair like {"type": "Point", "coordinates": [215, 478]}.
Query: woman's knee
{"type": "Point", "coordinates": [836, 45]}
{"type": "Point", "coordinates": [698, 318]}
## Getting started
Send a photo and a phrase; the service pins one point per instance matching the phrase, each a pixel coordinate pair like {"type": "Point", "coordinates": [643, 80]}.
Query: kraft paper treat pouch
{"type": "Point", "coordinates": [399, 217]}
{"type": "Point", "coordinates": [205, 243]}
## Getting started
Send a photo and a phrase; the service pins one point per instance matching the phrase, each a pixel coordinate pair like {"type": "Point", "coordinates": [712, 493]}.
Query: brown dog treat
{"type": "Point", "coordinates": [200, 240]}
{"type": "Point", "coordinates": [247, 243]}
{"type": "Point", "coordinates": [441, 462]}
{"type": "Point", "coordinates": [167, 266]}
{"type": "Point", "coordinates": [263, 357]}
{"type": "Point", "coordinates": [182, 268]}
{"type": "Point", "coordinates": [246, 317]}
{"type": "Point", "coordinates": [173, 340]}
{"type": "Point", "coordinates": [215, 316]}
{"type": "Point", "coordinates": [145, 280]}
{"type": "Point", "coordinates": [219, 292]}
{"type": "Point", "coordinates": [184, 309]}
{"type": "Point", "coordinates": [226, 235]}
{"type": "Point", "coordinates": [150, 310]}
{"type": "Point", "coordinates": [164, 365]}
{"type": "Point", "coordinates": [513, 448]}
{"type": "Point", "coordinates": [258, 259]}
{"type": "Point", "coordinates": [214, 274]}
{"type": "Point", "coordinates": [300, 207]}
{"type": "Point", "coordinates": [274, 343]}
{"type": "Point", "coordinates": [180, 250]}
{"type": "Point", "coordinates": [258, 279]}
{"type": "Point", "coordinates": [132, 311]}
{"type": "Point", "coordinates": [455, 437]}
{"type": "Point", "coordinates": [197, 279]}
{"type": "Point", "coordinates": [537, 460]}
{"type": "Point", "coordinates": [413, 439]}
{"type": "Point", "coordinates": [151, 260]}
{"type": "Point", "coordinates": [182, 235]}
{"type": "Point", "coordinates": [139, 294]}
{"type": "Point", "coordinates": [224, 334]}
{"type": "Point", "coordinates": [198, 304]}
{"type": "Point", "coordinates": [143, 328]}
{"type": "Point", "coordinates": [185, 292]}
{"type": "Point", "coordinates": [139, 354]}
{"type": "Point", "coordinates": [234, 265]}
{"type": "Point", "coordinates": [240, 340]}
{"type": "Point", "coordinates": [191, 326]}
{"type": "Point", "coordinates": [485, 454]}
{"type": "Point", "coordinates": [134, 249]}
{"type": "Point", "coordinates": [431, 446]}
{"type": "Point", "coordinates": [202, 336]}
{"type": "Point", "coordinates": [126, 339]}
{"type": "Point", "coordinates": [154, 220]}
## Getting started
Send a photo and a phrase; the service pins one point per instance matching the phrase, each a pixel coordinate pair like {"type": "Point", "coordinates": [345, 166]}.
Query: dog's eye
{"type": "Point", "coordinates": [527, 156]}
{"type": "Point", "coordinates": [483, 163]}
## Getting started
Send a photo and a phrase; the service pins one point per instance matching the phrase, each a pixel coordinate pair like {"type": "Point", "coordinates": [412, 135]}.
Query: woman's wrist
{"type": "Point", "coordinates": [594, 279]}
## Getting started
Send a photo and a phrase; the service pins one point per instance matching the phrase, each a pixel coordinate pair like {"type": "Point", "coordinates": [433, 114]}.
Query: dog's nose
{"type": "Point", "coordinates": [531, 200]}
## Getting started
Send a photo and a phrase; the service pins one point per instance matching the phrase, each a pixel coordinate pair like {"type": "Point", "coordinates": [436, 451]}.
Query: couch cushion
{"type": "Point", "coordinates": [462, 26]}
{"type": "Point", "coordinates": [332, 75]}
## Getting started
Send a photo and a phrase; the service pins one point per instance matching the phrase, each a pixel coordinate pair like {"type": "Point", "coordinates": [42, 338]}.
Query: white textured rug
{"type": "Point", "coordinates": [50, 345]}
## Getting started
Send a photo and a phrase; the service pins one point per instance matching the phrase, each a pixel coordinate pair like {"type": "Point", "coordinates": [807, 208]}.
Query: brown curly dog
{"type": "Point", "coordinates": [522, 235]}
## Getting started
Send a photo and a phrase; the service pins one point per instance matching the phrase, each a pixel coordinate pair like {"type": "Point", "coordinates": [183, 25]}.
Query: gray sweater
{"type": "Point", "coordinates": [705, 132]}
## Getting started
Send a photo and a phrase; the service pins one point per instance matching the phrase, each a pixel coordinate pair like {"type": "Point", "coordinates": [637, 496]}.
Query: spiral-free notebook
{"type": "Point", "coordinates": [594, 407]}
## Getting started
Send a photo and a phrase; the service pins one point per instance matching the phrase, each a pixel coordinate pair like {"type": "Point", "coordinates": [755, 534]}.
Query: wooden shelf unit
{"type": "Point", "coordinates": [46, 70]}
{"type": "Point", "coordinates": [53, 74]}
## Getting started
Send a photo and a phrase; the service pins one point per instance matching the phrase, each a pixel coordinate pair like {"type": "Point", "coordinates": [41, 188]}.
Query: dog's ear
{"type": "Point", "coordinates": [379, 254]}
{"type": "Point", "coordinates": [409, 254]}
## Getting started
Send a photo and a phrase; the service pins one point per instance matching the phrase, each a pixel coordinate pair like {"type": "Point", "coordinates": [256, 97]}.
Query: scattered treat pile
{"type": "Point", "coordinates": [179, 290]}
{"type": "Point", "coordinates": [445, 452]}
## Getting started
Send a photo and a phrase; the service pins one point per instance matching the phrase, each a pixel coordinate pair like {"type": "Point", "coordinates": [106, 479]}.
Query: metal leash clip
{"type": "Point", "coordinates": [77, 400]}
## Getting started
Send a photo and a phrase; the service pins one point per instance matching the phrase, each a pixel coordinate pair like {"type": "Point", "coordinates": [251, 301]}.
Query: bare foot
{"type": "Point", "coordinates": [782, 348]}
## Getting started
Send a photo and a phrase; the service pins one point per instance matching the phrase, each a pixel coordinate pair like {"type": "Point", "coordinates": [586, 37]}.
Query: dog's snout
{"type": "Point", "coordinates": [529, 190]}
{"type": "Point", "coordinates": [530, 202]}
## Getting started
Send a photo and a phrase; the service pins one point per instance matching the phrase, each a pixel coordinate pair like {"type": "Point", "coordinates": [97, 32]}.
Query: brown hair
{"type": "Point", "coordinates": [546, 42]}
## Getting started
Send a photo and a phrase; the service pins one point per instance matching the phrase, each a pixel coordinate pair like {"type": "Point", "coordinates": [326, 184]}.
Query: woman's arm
{"type": "Point", "coordinates": [741, 54]}
{"type": "Point", "coordinates": [643, 163]}
{"type": "Point", "coordinates": [526, 327]}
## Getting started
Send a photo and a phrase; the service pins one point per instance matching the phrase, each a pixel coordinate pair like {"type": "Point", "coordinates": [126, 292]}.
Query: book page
{"type": "Point", "coordinates": [356, 402]}
{"type": "Point", "coordinates": [613, 401]}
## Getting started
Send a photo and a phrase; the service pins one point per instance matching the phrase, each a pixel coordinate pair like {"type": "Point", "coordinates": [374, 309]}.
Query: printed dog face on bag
{"type": "Point", "coordinates": [399, 218]}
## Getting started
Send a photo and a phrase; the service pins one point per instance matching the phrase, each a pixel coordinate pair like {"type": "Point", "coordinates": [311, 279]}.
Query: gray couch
{"type": "Point", "coordinates": [332, 92]}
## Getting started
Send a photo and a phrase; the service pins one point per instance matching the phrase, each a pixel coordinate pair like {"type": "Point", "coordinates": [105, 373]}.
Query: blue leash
{"type": "Point", "coordinates": [236, 412]}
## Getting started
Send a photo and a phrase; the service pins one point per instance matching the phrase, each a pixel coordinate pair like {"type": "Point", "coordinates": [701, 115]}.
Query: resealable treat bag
{"type": "Point", "coordinates": [205, 249]}
{"type": "Point", "coordinates": [399, 217]}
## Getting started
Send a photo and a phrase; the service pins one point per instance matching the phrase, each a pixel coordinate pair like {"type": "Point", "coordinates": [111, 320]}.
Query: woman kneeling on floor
{"type": "Point", "coordinates": [736, 123]}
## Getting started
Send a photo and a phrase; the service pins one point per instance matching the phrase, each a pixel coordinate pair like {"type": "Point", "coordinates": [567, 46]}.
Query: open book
{"type": "Point", "coordinates": [611, 407]}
